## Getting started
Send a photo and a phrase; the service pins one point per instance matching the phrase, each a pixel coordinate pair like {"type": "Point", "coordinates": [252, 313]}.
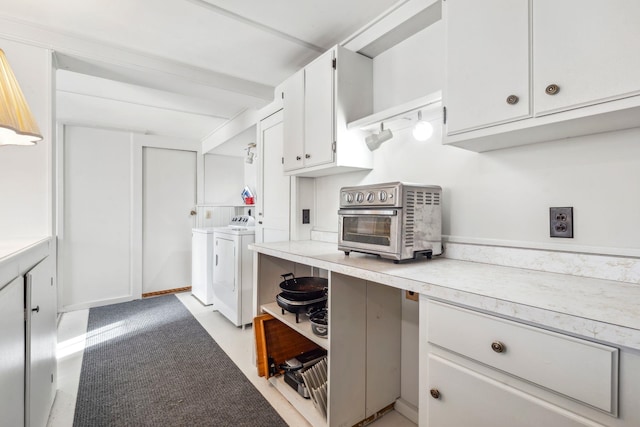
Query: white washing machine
{"type": "Point", "coordinates": [233, 269]}
{"type": "Point", "coordinates": [202, 264]}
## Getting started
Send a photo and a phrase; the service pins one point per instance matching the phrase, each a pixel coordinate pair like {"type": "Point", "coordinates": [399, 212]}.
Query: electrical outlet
{"type": "Point", "coordinates": [306, 216]}
{"type": "Point", "coordinates": [561, 222]}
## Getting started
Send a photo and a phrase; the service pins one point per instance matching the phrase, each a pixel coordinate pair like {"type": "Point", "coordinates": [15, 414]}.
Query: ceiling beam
{"type": "Point", "coordinates": [257, 25]}
{"type": "Point", "coordinates": [89, 51]}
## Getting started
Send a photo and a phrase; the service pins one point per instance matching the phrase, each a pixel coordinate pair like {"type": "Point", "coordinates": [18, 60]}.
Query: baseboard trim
{"type": "Point", "coordinates": [167, 291]}
{"type": "Point", "coordinates": [407, 409]}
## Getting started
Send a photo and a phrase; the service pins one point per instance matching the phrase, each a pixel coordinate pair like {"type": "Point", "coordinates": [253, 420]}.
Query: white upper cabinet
{"type": "Point", "coordinates": [525, 71]}
{"type": "Point", "coordinates": [487, 62]}
{"type": "Point", "coordinates": [319, 113]}
{"type": "Point", "coordinates": [586, 48]}
{"type": "Point", "coordinates": [293, 122]}
{"type": "Point", "coordinates": [318, 102]}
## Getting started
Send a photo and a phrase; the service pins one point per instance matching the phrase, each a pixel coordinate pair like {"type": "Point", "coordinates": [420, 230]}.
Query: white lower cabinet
{"type": "Point", "coordinates": [28, 341]}
{"type": "Point", "coordinates": [12, 343]}
{"type": "Point", "coordinates": [41, 343]}
{"type": "Point", "coordinates": [462, 397]}
{"type": "Point", "coordinates": [482, 370]}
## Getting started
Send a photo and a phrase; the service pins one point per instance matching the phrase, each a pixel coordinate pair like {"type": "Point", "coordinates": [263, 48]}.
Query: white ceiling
{"type": "Point", "coordinates": [181, 68]}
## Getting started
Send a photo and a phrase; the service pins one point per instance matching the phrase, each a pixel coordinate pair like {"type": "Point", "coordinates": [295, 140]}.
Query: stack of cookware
{"type": "Point", "coordinates": [302, 294]}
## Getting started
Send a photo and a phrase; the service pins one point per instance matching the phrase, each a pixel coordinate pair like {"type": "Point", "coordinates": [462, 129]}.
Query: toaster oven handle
{"type": "Point", "coordinates": [378, 212]}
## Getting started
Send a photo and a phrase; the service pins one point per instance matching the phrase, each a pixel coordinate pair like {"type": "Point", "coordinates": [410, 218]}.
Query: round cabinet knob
{"type": "Point", "coordinates": [37, 309]}
{"type": "Point", "coordinates": [512, 99]}
{"type": "Point", "coordinates": [498, 347]}
{"type": "Point", "coordinates": [359, 197]}
{"type": "Point", "coordinates": [382, 196]}
{"type": "Point", "coordinates": [307, 156]}
{"type": "Point", "coordinates": [435, 393]}
{"type": "Point", "coordinates": [298, 158]}
{"type": "Point", "coordinates": [370, 197]}
{"type": "Point", "coordinates": [552, 89]}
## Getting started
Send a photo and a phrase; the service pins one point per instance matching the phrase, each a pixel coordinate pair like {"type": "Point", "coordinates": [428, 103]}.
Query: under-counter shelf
{"type": "Point", "coordinates": [303, 326]}
{"type": "Point", "coordinates": [302, 405]}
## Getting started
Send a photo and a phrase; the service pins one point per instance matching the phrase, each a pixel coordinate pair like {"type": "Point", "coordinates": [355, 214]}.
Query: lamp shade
{"type": "Point", "coordinates": [17, 125]}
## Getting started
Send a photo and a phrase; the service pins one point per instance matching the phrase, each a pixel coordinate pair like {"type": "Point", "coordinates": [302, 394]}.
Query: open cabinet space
{"type": "Point", "coordinates": [363, 344]}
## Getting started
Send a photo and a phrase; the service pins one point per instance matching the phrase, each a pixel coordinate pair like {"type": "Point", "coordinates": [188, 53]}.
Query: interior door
{"type": "Point", "coordinates": [273, 205]}
{"type": "Point", "coordinates": [169, 195]}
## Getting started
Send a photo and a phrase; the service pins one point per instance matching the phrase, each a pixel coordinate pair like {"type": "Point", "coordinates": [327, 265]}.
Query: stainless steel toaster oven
{"type": "Point", "coordinates": [394, 220]}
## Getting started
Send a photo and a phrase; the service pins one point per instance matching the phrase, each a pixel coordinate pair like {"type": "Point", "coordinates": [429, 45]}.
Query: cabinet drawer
{"type": "Point", "coordinates": [464, 397]}
{"type": "Point", "coordinates": [576, 368]}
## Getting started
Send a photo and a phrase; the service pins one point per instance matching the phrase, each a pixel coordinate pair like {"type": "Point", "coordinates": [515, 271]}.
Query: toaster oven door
{"type": "Point", "coordinates": [371, 230]}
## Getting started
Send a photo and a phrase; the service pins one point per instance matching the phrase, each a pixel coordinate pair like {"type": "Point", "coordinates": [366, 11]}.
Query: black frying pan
{"type": "Point", "coordinates": [303, 287]}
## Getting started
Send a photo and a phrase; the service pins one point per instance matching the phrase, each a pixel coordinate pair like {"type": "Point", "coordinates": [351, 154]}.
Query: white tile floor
{"type": "Point", "coordinates": [236, 342]}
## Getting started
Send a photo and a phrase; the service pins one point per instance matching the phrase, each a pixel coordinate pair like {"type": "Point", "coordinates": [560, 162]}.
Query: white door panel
{"type": "Point", "coordinates": [95, 246]}
{"type": "Point", "coordinates": [169, 194]}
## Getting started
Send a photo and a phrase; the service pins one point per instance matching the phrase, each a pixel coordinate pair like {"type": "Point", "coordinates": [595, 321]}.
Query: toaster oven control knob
{"type": "Point", "coordinates": [382, 196]}
{"type": "Point", "coordinates": [359, 197]}
{"type": "Point", "coordinates": [371, 197]}
{"type": "Point", "coordinates": [348, 197]}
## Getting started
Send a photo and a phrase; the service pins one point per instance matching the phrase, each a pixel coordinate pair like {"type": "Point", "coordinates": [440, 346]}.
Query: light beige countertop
{"type": "Point", "coordinates": [17, 256]}
{"type": "Point", "coordinates": [603, 310]}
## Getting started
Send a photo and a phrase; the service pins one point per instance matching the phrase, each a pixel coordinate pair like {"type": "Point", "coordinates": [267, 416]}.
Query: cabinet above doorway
{"type": "Point", "coordinates": [318, 101]}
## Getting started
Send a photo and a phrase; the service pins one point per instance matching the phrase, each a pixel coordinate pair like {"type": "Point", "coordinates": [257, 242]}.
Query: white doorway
{"type": "Point", "coordinates": [169, 197]}
{"type": "Point", "coordinates": [275, 187]}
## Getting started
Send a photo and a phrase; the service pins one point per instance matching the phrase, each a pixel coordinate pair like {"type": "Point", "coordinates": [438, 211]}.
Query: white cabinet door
{"type": "Point", "coordinates": [467, 398]}
{"type": "Point", "coordinates": [225, 278]}
{"type": "Point", "coordinates": [588, 49]}
{"type": "Point", "coordinates": [319, 111]}
{"type": "Point", "coordinates": [487, 62]}
{"type": "Point", "coordinates": [293, 122]}
{"type": "Point", "coordinates": [12, 353]}
{"type": "Point", "coordinates": [41, 344]}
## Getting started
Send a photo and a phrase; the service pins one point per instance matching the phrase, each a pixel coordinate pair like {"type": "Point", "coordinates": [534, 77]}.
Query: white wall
{"type": "Point", "coordinates": [504, 195]}
{"type": "Point", "coordinates": [224, 179]}
{"type": "Point", "coordinates": [25, 172]}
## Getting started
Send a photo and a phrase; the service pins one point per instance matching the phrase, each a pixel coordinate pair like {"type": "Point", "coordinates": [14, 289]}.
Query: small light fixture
{"type": "Point", "coordinates": [423, 130]}
{"type": "Point", "coordinates": [250, 154]}
{"type": "Point", "coordinates": [376, 139]}
{"type": "Point", "coordinates": [17, 125]}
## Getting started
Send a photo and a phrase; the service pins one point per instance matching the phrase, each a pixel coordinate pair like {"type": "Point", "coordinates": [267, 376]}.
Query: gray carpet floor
{"type": "Point", "coordinates": [150, 363]}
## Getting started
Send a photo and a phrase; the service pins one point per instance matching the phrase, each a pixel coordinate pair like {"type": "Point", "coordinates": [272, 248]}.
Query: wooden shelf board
{"type": "Point", "coordinates": [289, 319]}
